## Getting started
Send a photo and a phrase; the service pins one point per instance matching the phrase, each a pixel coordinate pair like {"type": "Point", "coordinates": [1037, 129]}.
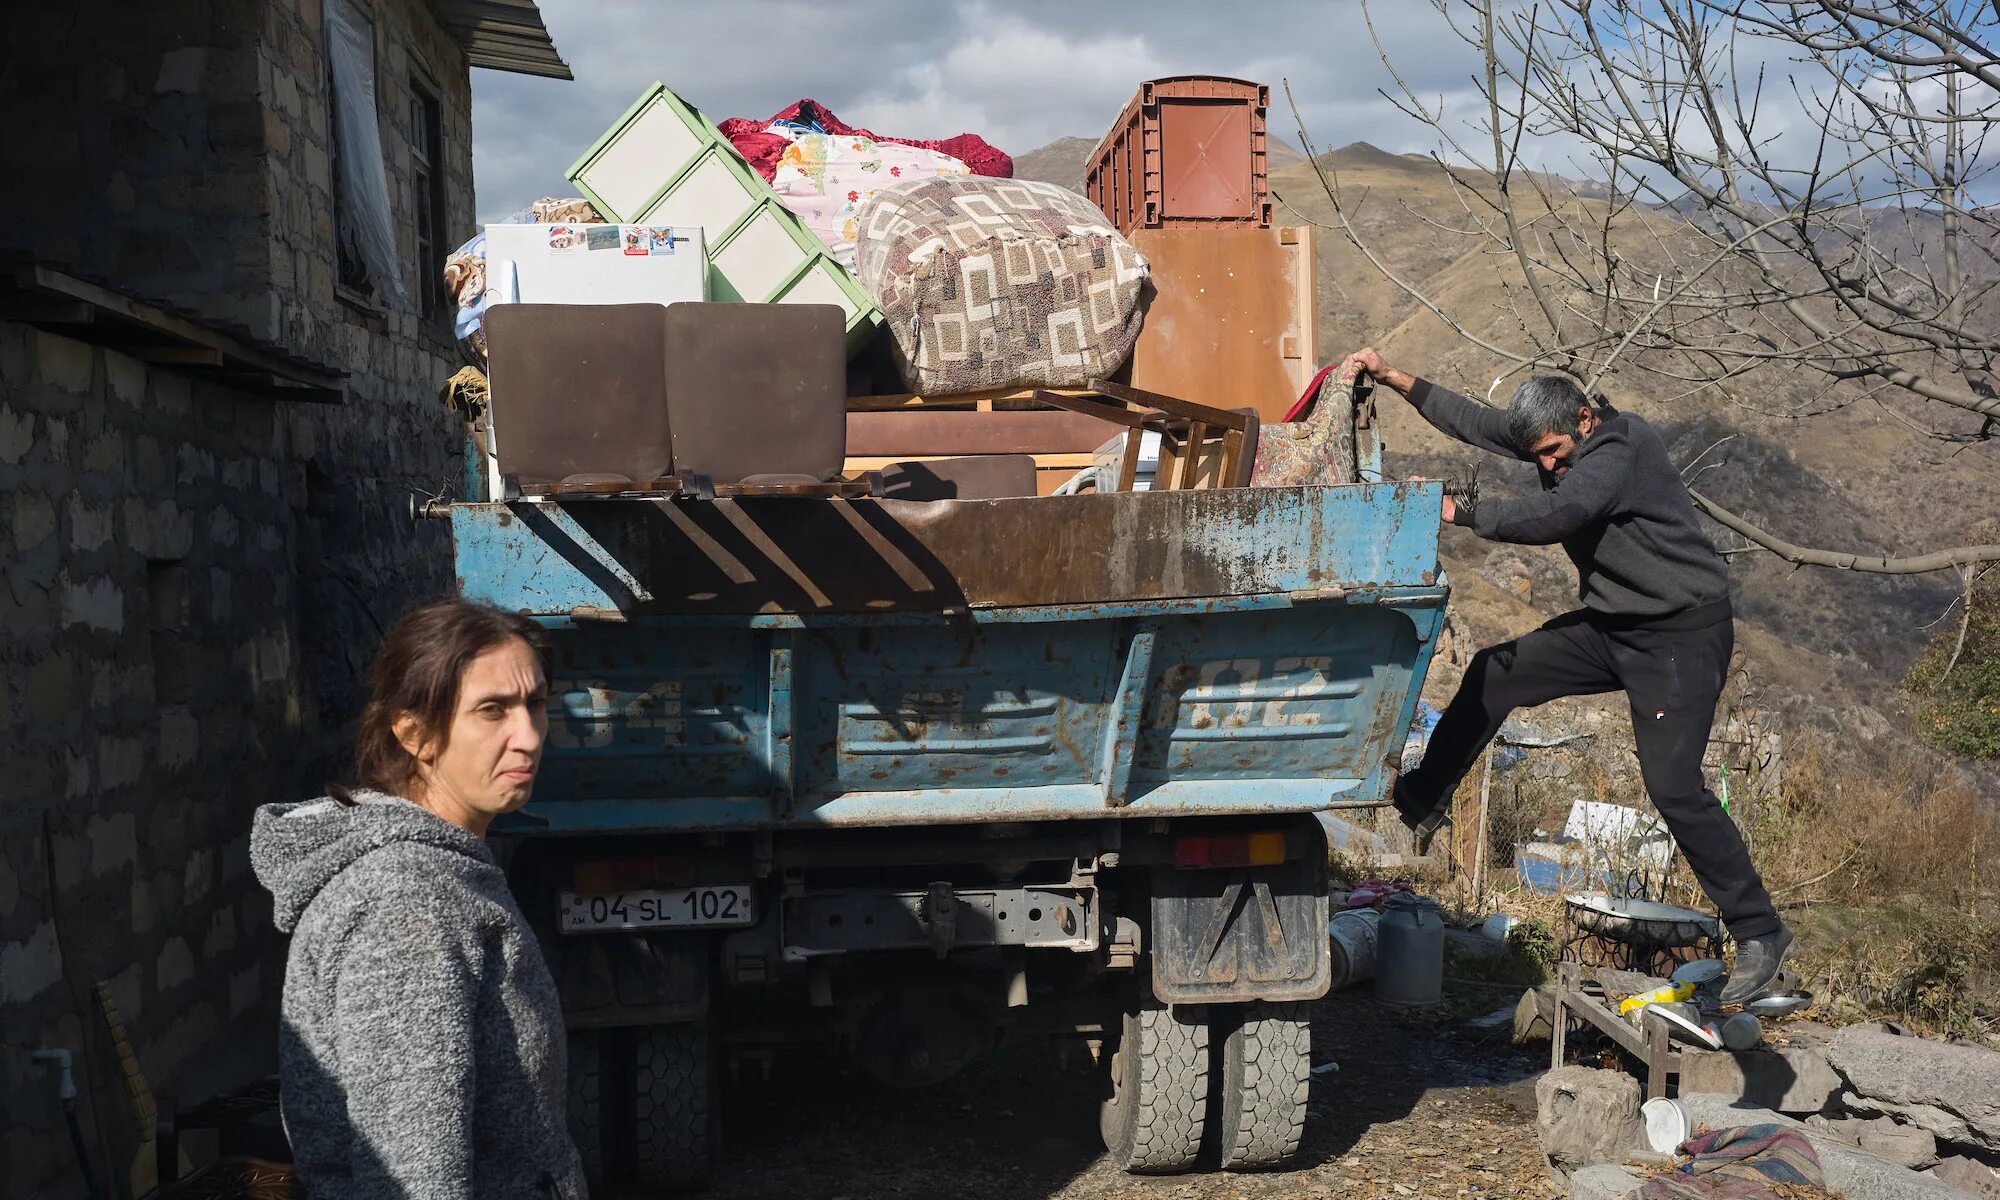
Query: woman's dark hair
{"type": "Point", "coordinates": [418, 671]}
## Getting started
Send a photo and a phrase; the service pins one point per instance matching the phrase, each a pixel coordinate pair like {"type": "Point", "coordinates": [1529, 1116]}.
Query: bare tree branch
{"type": "Point", "coordinates": [1854, 249]}
{"type": "Point", "coordinates": [1936, 560]}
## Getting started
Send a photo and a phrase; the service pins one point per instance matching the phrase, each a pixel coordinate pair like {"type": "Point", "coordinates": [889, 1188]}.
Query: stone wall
{"type": "Point", "coordinates": [178, 149]}
{"type": "Point", "coordinates": [192, 577]}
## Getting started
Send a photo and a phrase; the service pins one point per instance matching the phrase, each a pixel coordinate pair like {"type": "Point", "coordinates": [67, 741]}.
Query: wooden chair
{"type": "Point", "coordinates": [1200, 446]}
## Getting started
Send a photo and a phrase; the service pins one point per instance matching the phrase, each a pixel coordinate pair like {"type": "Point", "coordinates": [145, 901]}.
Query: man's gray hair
{"type": "Point", "coordinates": [1545, 404]}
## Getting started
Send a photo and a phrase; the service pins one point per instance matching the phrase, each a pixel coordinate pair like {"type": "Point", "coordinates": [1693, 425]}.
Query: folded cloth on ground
{"type": "Point", "coordinates": [991, 283]}
{"type": "Point", "coordinates": [465, 270]}
{"type": "Point", "coordinates": [762, 148]}
{"type": "Point", "coordinates": [825, 178]}
{"type": "Point", "coordinates": [1747, 1162]}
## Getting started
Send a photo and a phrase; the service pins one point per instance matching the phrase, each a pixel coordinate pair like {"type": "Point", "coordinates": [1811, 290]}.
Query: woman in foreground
{"type": "Point", "coordinates": [421, 1053]}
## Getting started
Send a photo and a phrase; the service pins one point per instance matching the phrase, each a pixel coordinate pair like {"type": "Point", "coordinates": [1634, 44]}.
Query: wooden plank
{"type": "Point", "coordinates": [1128, 463]}
{"type": "Point", "coordinates": [1090, 406]}
{"type": "Point", "coordinates": [1559, 1025]}
{"type": "Point", "coordinates": [1197, 435]}
{"type": "Point", "coordinates": [1656, 1057]}
{"type": "Point", "coordinates": [1173, 406]}
{"type": "Point", "coordinates": [1232, 458]}
{"type": "Point", "coordinates": [1305, 308]}
{"type": "Point", "coordinates": [976, 400]}
{"type": "Point", "coordinates": [41, 282]}
{"type": "Point", "coordinates": [1166, 469]}
{"type": "Point", "coordinates": [184, 356]}
{"type": "Point", "coordinates": [875, 462]}
{"type": "Point", "coordinates": [1223, 299]}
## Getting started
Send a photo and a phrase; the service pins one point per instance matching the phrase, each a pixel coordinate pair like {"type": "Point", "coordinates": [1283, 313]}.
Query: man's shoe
{"type": "Point", "coordinates": [1757, 964]}
{"type": "Point", "coordinates": [1424, 826]}
{"type": "Point", "coordinates": [1424, 832]}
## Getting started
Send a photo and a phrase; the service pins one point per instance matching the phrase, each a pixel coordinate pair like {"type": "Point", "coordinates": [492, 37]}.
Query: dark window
{"type": "Point", "coordinates": [365, 249]}
{"type": "Point", "coordinates": [349, 33]}
{"type": "Point", "coordinates": [426, 172]}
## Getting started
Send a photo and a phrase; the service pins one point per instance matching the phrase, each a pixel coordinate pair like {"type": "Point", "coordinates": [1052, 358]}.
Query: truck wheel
{"type": "Point", "coordinates": [1266, 1074]}
{"type": "Point", "coordinates": [673, 1107]}
{"type": "Point", "coordinates": [585, 1102]}
{"type": "Point", "coordinates": [1152, 1123]}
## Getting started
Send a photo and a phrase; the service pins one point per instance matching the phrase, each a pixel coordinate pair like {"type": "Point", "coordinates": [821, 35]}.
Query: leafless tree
{"type": "Point", "coordinates": [1779, 186]}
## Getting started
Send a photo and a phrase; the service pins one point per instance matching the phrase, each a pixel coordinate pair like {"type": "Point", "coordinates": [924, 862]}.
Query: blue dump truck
{"type": "Point", "coordinates": [910, 778]}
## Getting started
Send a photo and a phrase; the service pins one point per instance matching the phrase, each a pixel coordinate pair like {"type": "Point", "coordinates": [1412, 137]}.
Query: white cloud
{"type": "Point", "coordinates": [1019, 74]}
{"type": "Point", "coordinates": [1014, 83]}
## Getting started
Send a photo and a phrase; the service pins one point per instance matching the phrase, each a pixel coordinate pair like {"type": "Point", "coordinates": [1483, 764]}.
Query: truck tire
{"type": "Point", "coordinates": [1152, 1123]}
{"type": "Point", "coordinates": [673, 1107]}
{"type": "Point", "coordinates": [585, 1102]}
{"type": "Point", "coordinates": [1266, 1075]}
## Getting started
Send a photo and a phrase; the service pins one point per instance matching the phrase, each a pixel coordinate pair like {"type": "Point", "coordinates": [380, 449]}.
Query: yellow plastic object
{"type": "Point", "coordinates": [1673, 993]}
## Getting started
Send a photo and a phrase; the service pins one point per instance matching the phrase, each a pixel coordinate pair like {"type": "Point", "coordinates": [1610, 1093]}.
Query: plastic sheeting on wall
{"type": "Point", "coordinates": [363, 181]}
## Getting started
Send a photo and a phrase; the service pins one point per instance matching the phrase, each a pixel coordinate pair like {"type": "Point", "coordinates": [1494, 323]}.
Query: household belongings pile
{"type": "Point", "coordinates": [825, 170]}
{"type": "Point", "coordinates": [1005, 299]}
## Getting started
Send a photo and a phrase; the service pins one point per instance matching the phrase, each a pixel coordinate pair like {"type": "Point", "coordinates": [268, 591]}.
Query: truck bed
{"type": "Point", "coordinates": [787, 663]}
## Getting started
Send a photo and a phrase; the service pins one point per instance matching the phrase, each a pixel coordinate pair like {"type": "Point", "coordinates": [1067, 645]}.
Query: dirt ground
{"type": "Point", "coordinates": [1414, 1110]}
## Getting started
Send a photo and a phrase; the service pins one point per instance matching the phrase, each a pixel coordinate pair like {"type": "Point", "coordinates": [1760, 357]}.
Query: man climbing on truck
{"type": "Point", "coordinates": [1655, 624]}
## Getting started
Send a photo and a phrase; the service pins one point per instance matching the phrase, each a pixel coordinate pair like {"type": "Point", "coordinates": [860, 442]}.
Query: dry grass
{"type": "Point", "coordinates": [1882, 860]}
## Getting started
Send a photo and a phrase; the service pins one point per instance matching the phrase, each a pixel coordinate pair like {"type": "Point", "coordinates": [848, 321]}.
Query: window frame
{"type": "Point", "coordinates": [429, 213]}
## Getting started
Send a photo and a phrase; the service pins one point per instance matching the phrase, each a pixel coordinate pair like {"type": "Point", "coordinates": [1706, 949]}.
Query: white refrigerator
{"type": "Point", "coordinates": [572, 263]}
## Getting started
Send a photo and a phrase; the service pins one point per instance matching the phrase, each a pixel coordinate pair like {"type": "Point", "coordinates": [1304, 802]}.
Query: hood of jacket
{"type": "Point", "coordinates": [297, 849]}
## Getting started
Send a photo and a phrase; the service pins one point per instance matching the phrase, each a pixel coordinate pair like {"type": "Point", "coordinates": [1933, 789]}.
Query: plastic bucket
{"type": "Point", "coordinates": [1353, 936]}
{"type": "Point", "coordinates": [1667, 1124]}
{"type": "Point", "coordinates": [1409, 959]}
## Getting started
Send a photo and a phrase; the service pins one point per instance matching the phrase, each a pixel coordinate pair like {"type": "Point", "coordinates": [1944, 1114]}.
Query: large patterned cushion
{"type": "Point", "coordinates": [991, 283]}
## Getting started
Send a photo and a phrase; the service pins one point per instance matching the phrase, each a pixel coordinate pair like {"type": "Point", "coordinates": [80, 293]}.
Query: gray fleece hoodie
{"type": "Point", "coordinates": [421, 1054]}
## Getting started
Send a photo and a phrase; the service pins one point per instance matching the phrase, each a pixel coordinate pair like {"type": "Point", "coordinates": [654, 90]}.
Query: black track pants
{"type": "Point", "coordinates": [1673, 679]}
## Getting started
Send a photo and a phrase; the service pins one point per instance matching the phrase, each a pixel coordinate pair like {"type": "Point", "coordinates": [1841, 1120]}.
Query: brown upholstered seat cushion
{"type": "Point", "coordinates": [578, 390]}
{"type": "Point", "coordinates": [757, 389]}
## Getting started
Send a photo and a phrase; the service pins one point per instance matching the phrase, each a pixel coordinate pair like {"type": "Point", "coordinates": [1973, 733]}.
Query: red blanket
{"type": "Point", "coordinates": [762, 150]}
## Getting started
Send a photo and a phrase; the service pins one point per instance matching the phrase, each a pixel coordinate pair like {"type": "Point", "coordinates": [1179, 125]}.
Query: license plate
{"type": "Point", "coordinates": [678, 908]}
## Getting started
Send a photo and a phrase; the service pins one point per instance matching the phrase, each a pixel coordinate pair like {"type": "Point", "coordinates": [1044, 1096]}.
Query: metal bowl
{"type": "Point", "coordinates": [1684, 1025]}
{"type": "Point", "coordinates": [1699, 972]}
{"type": "Point", "coordinates": [1779, 1006]}
{"type": "Point", "coordinates": [1646, 923]}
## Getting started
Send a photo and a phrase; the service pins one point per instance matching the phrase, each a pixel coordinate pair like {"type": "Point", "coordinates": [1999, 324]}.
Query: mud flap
{"type": "Point", "coordinates": [1253, 933]}
{"type": "Point", "coordinates": [632, 979]}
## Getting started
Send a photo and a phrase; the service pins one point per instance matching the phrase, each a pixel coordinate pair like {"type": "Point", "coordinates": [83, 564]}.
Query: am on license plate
{"type": "Point", "coordinates": [671, 908]}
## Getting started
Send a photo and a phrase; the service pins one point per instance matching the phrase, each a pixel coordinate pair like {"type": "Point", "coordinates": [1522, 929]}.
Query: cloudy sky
{"type": "Point", "coordinates": [1020, 73]}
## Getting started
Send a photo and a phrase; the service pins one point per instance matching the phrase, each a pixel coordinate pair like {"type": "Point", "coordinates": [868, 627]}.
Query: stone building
{"type": "Point", "coordinates": [220, 352]}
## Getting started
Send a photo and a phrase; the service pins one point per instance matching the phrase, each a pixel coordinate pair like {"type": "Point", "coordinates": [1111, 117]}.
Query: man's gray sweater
{"type": "Point", "coordinates": [1621, 512]}
{"type": "Point", "coordinates": [421, 1052]}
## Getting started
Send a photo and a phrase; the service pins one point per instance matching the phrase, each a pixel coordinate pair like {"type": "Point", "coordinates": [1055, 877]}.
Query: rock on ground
{"type": "Point", "coordinates": [1606, 1181]}
{"type": "Point", "coordinates": [1952, 1091]}
{"type": "Point", "coordinates": [1970, 1176]}
{"type": "Point", "coordinates": [1789, 1079]}
{"type": "Point", "coordinates": [1850, 1171]}
{"type": "Point", "coordinates": [1904, 1145]}
{"type": "Point", "coordinates": [1587, 1117]}
{"type": "Point", "coordinates": [1534, 1016]}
